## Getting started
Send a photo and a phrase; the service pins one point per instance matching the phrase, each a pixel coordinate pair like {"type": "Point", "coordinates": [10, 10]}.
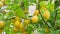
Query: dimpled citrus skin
{"type": "Point", "coordinates": [35, 19]}
{"type": "Point", "coordinates": [17, 23]}
{"type": "Point", "coordinates": [36, 12]}
{"type": "Point", "coordinates": [26, 21]}
{"type": "Point", "coordinates": [46, 14]}
{"type": "Point", "coordinates": [2, 24]}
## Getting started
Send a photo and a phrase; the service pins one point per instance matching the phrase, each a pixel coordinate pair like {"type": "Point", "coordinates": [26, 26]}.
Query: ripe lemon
{"type": "Point", "coordinates": [36, 12]}
{"type": "Point", "coordinates": [2, 24]}
{"type": "Point", "coordinates": [1, 4]}
{"type": "Point", "coordinates": [15, 29]}
{"type": "Point", "coordinates": [17, 23]}
{"type": "Point", "coordinates": [46, 14]}
{"type": "Point", "coordinates": [2, 0]}
{"type": "Point", "coordinates": [27, 21]}
{"type": "Point", "coordinates": [34, 19]}
{"type": "Point", "coordinates": [21, 26]}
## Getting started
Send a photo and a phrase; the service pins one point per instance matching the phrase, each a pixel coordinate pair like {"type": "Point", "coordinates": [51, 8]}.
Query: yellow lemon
{"type": "Point", "coordinates": [17, 23]}
{"type": "Point", "coordinates": [27, 21]}
{"type": "Point", "coordinates": [46, 14]}
{"type": "Point", "coordinates": [36, 12]}
{"type": "Point", "coordinates": [2, 24]}
{"type": "Point", "coordinates": [35, 19]}
{"type": "Point", "coordinates": [2, 0]}
{"type": "Point", "coordinates": [1, 4]}
{"type": "Point", "coordinates": [21, 26]}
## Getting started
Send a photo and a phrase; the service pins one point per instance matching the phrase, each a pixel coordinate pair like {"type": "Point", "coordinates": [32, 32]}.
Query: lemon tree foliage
{"type": "Point", "coordinates": [29, 16]}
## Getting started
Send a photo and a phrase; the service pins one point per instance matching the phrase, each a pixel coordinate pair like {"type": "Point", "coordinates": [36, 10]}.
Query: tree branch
{"type": "Point", "coordinates": [44, 22]}
{"type": "Point", "coordinates": [55, 18]}
{"type": "Point", "coordinates": [56, 5]}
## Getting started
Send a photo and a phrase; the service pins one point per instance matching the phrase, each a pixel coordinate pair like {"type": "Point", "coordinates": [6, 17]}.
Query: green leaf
{"type": "Point", "coordinates": [30, 28]}
{"type": "Point", "coordinates": [10, 14]}
{"type": "Point", "coordinates": [26, 4]}
{"type": "Point", "coordinates": [7, 2]}
{"type": "Point", "coordinates": [50, 7]}
{"type": "Point", "coordinates": [1, 16]}
{"type": "Point", "coordinates": [39, 17]}
{"type": "Point", "coordinates": [43, 3]}
{"type": "Point", "coordinates": [41, 31]}
{"type": "Point", "coordinates": [33, 1]}
{"type": "Point", "coordinates": [19, 12]}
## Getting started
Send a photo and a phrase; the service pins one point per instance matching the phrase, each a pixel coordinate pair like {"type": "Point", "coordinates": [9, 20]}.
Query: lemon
{"type": "Point", "coordinates": [2, 24]}
{"type": "Point", "coordinates": [36, 12]}
{"type": "Point", "coordinates": [17, 23]}
{"type": "Point", "coordinates": [21, 26]}
{"type": "Point", "coordinates": [46, 14]}
{"type": "Point", "coordinates": [34, 19]}
{"type": "Point", "coordinates": [1, 4]}
{"type": "Point", "coordinates": [2, 0]}
{"type": "Point", "coordinates": [26, 21]}
{"type": "Point", "coordinates": [15, 29]}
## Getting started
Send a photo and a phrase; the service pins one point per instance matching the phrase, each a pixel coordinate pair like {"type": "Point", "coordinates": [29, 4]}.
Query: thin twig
{"type": "Point", "coordinates": [54, 20]}
{"type": "Point", "coordinates": [44, 22]}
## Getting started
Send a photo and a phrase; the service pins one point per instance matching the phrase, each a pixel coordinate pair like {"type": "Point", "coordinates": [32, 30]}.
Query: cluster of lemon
{"type": "Point", "coordinates": [45, 14]}
{"type": "Point", "coordinates": [18, 26]}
